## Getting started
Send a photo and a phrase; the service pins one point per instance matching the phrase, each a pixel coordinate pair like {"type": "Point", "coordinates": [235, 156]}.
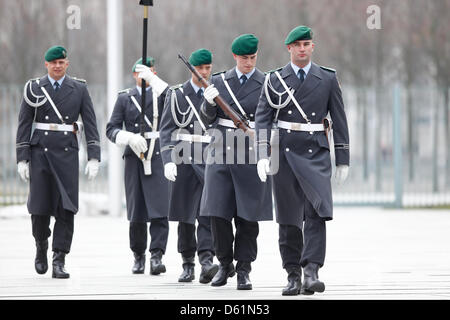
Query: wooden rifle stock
{"type": "Point", "coordinates": [235, 117]}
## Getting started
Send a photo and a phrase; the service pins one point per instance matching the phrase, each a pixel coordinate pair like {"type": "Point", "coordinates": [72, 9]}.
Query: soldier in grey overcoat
{"type": "Point", "coordinates": [302, 186]}
{"type": "Point", "coordinates": [146, 189]}
{"type": "Point", "coordinates": [183, 141]}
{"type": "Point", "coordinates": [48, 140]}
{"type": "Point", "coordinates": [232, 188]}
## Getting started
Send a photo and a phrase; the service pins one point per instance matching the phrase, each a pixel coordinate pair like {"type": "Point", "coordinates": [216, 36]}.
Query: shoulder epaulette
{"type": "Point", "coordinates": [125, 90]}
{"type": "Point", "coordinates": [328, 69]}
{"type": "Point", "coordinates": [176, 86]}
{"type": "Point", "coordinates": [79, 80]}
{"type": "Point", "coordinates": [272, 71]}
{"type": "Point", "coordinates": [215, 74]}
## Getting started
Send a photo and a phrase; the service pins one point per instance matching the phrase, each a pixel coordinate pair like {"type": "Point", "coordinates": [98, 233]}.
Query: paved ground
{"type": "Point", "coordinates": [372, 253]}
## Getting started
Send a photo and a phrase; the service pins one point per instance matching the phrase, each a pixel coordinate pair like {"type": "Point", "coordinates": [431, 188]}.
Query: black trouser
{"type": "Point", "coordinates": [62, 230]}
{"type": "Point", "coordinates": [188, 244]}
{"type": "Point", "coordinates": [295, 251]}
{"type": "Point", "coordinates": [245, 245]}
{"type": "Point", "coordinates": [159, 232]}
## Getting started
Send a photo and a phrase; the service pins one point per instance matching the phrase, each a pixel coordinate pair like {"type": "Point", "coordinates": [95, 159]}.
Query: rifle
{"type": "Point", "coordinates": [234, 116]}
{"type": "Point", "coordinates": [146, 4]}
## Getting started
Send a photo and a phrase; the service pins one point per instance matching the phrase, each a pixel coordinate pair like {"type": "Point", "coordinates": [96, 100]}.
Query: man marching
{"type": "Point", "coordinates": [48, 156]}
{"type": "Point", "coordinates": [232, 188]}
{"type": "Point", "coordinates": [146, 188]}
{"type": "Point", "coordinates": [182, 132]}
{"type": "Point", "coordinates": [298, 98]}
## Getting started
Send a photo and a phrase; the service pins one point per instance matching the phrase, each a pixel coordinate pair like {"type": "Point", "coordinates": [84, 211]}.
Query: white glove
{"type": "Point", "coordinates": [151, 78]}
{"type": "Point", "coordinates": [23, 168]}
{"type": "Point", "coordinates": [341, 173]}
{"type": "Point", "coordinates": [210, 93]}
{"type": "Point", "coordinates": [263, 168]}
{"type": "Point", "coordinates": [92, 168]}
{"type": "Point", "coordinates": [137, 142]}
{"type": "Point", "coordinates": [170, 171]}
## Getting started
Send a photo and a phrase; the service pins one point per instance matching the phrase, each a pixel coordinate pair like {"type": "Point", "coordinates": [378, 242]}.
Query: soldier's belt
{"type": "Point", "coordinates": [193, 138]}
{"type": "Point", "coordinates": [296, 126]}
{"type": "Point", "coordinates": [56, 127]}
{"type": "Point", "coordinates": [230, 124]}
{"type": "Point", "coordinates": [151, 135]}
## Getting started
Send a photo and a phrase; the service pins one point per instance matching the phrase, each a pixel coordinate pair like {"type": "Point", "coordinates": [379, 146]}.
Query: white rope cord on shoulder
{"type": "Point", "coordinates": [267, 85]}
{"type": "Point", "coordinates": [174, 104]}
{"type": "Point", "coordinates": [37, 97]}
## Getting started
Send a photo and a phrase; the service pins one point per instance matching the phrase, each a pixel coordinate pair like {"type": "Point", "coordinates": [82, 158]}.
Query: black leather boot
{"type": "Point", "coordinates": [311, 282]}
{"type": "Point", "coordinates": [139, 263]}
{"type": "Point", "coordinates": [225, 271]}
{"type": "Point", "coordinates": [40, 262]}
{"type": "Point", "coordinates": [243, 280]}
{"type": "Point", "coordinates": [209, 269]}
{"type": "Point", "coordinates": [58, 265]}
{"type": "Point", "coordinates": [188, 270]}
{"type": "Point", "coordinates": [294, 282]}
{"type": "Point", "coordinates": [156, 265]}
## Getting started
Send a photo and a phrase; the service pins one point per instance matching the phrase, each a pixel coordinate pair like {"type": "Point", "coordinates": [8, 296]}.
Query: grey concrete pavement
{"type": "Point", "coordinates": [372, 253]}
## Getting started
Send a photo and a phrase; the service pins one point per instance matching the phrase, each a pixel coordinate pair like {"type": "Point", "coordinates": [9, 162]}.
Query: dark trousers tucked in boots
{"type": "Point", "coordinates": [159, 232]}
{"type": "Point", "coordinates": [294, 284]}
{"type": "Point", "coordinates": [311, 282]}
{"type": "Point", "coordinates": [188, 269]}
{"type": "Point", "coordinates": [62, 230]}
{"type": "Point", "coordinates": [139, 263]}
{"type": "Point", "coordinates": [245, 246]}
{"type": "Point", "coordinates": [156, 265]}
{"type": "Point", "coordinates": [209, 269]}
{"type": "Point", "coordinates": [243, 279]}
{"type": "Point", "coordinates": [188, 244]}
{"type": "Point", "coordinates": [40, 261]}
{"type": "Point", "coordinates": [62, 238]}
{"type": "Point", "coordinates": [58, 265]}
{"type": "Point", "coordinates": [296, 252]}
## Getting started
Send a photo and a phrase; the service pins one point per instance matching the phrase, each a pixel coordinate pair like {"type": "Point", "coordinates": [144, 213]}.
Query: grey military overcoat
{"type": "Point", "coordinates": [146, 195]}
{"type": "Point", "coordinates": [234, 189]}
{"type": "Point", "coordinates": [305, 155]}
{"type": "Point", "coordinates": [185, 193]}
{"type": "Point", "coordinates": [53, 155]}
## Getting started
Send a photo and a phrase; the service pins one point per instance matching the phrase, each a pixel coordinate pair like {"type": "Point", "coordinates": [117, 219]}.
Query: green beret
{"type": "Point", "coordinates": [299, 33]}
{"type": "Point", "coordinates": [150, 63]}
{"type": "Point", "coordinates": [55, 52]}
{"type": "Point", "coordinates": [201, 56]}
{"type": "Point", "coordinates": [245, 44]}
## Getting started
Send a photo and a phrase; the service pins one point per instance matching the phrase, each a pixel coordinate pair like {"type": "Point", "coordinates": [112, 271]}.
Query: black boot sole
{"type": "Point", "coordinates": [190, 279]}
{"type": "Point", "coordinates": [137, 271]}
{"type": "Point", "coordinates": [244, 287]}
{"type": "Point", "coordinates": [41, 271]}
{"type": "Point", "coordinates": [208, 276]}
{"type": "Point", "coordinates": [290, 292]}
{"type": "Point", "coordinates": [220, 284]}
{"type": "Point", "coordinates": [315, 287]}
{"type": "Point", "coordinates": [158, 270]}
{"type": "Point", "coordinates": [60, 276]}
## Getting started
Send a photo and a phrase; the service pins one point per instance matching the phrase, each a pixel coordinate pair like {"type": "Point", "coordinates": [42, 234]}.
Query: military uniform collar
{"type": "Point", "coordinates": [52, 81]}
{"type": "Point", "coordinates": [256, 75]}
{"type": "Point", "coordinates": [139, 89]}
{"type": "Point", "coordinates": [190, 87]}
{"type": "Point", "coordinates": [288, 70]}
{"type": "Point", "coordinates": [230, 74]}
{"type": "Point", "coordinates": [248, 75]}
{"type": "Point", "coordinates": [305, 68]}
{"type": "Point", "coordinates": [46, 81]}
